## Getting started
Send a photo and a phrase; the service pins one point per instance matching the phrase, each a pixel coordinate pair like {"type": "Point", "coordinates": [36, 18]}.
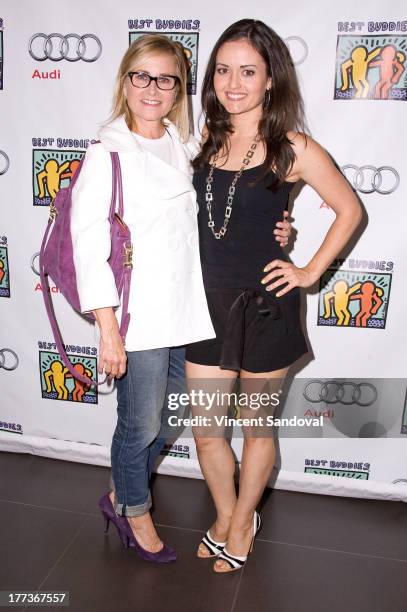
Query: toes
{"type": "Point", "coordinates": [220, 566]}
{"type": "Point", "coordinates": [202, 551]}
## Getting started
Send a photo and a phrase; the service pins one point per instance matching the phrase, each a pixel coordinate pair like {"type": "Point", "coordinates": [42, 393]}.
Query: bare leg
{"type": "Point", "coordinates": [257, 463]}
{"type": "Point", "coordinates": [215, 456]}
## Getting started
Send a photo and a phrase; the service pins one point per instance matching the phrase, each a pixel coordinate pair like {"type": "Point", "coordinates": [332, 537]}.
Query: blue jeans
{"type": "Point", "coordinates": [142, 412]}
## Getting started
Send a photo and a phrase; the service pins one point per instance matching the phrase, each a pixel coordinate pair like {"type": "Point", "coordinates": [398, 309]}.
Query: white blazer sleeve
{"type": "Point", "coordinates": [90, 229]}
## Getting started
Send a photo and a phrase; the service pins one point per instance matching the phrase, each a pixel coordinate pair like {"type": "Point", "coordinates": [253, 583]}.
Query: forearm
{"type": "Point", "coordinates": [337, 237]}
{"type": "Point", "coordinates": [106, 319]}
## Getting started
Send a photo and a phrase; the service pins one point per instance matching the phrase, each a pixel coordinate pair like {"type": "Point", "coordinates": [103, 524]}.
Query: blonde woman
{"type": "Point", "coordinates": [167, 304]}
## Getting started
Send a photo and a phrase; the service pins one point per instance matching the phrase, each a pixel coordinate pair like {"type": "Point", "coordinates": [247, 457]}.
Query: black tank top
{"type": "Point", "coordinates": [237, 260]}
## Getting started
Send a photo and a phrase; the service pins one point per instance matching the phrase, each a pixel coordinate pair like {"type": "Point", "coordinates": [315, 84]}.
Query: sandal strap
{"type": "Point", "coordinates": [233, 560]}
{"type": "Point", "coordinates": [211, 545]}
{"type": "Point", "coordinates": [258, 523]}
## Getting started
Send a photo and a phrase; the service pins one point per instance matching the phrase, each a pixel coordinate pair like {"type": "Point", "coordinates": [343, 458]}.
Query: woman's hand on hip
{"type": "Point", "coordinates": [286, 273]}
{"type": "Point", "coordinates": [112, 355]}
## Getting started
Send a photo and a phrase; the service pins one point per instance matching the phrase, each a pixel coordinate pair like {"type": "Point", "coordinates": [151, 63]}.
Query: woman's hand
{"type": "Point", "coordinates": [112, 355]}
{"type": "Point", "coordinates": [283, 232]}
{"type": "Point", "coordinates": [293, 276]}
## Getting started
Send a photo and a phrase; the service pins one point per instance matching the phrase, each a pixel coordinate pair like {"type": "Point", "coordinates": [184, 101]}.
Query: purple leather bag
{"type": "Point", "coordinates": [56, 258]}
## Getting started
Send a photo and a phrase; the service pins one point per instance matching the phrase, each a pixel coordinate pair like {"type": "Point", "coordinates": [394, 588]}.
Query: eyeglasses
{"type": "Point", "coordinates": [163, 81]}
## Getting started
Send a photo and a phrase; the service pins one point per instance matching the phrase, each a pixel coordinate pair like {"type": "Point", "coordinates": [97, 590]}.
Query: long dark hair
{"type": "Point", "coordinates": [283, 108]}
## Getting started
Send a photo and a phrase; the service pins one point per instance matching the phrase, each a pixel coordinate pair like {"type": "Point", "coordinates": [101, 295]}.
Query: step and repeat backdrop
{"type": "Point", "coordinates": [57, 68]}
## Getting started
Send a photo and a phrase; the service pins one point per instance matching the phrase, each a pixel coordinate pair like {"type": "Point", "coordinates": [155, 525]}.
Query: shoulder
{"type": "Point", "coordinates": [190, 146]}
{"type": "Point", "coordinates": [307, 151]}
{"type": "Point", "coordinates": [303, 145]}
{"type": "Point", "coordinates": [96, 167]}
{"type": "Point", "coordinates": [312, 161]}
{"type": "Point", "coordinates": [96, 151]}
{"type": "Point", "coordinates": [298, 141]}
{"type": "Point", "coordinates": [97, 159]}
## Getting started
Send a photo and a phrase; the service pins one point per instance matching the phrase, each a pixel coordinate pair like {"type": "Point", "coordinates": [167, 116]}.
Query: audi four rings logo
{"type": "Point", "coordinates": [4, 162]}
{"type": "Point", "coordinates": [334, 392]}
{"type": "Point", "coordinates": [34, 263]}
{"type": "Point", "coordinates": [298, 58]}
{"type": "Point", "coordinates": [71, 47]}
{"type": "Point", "coordinates": [8, 359]}
{"type": "Point", "coordinates": [368, 179]}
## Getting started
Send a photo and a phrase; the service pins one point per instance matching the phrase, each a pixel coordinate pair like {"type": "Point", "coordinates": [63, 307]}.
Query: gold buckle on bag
{"type": "Point", "coordinates": [52, 211]}
{"type": "Point", "coordinates": [128, 256]}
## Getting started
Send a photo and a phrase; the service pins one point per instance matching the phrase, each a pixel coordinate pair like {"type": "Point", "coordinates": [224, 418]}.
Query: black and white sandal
{"type": "Point", "coordinates": [234, 561]}
{"type": "Point", "coordinates": [215, 548]}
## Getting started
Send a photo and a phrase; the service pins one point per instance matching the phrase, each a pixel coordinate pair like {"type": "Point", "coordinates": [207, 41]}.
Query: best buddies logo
{"type": "Point", "coordinates": [189, 39]}
{"type": "Point", "coordinates": [14, 428]}
{"type": "Point", "coordinates": [358, 297]}
{"type": "Point", "coordinates": [57, 383]}
{"type": "Point", "coordinates": [371, 66]}
{"type": "Point", "coordinates": [4, 268]}
{"type": "Point", "coordinates": [180, 451]}
{"type": "Point", "coordinates": [344, 469]}
{"type": "Point", "coordinates": [54, 163]}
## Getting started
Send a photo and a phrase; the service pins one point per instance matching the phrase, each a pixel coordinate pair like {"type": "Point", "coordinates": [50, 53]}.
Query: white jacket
{"type": "Point", "coordinates": [167, 302]}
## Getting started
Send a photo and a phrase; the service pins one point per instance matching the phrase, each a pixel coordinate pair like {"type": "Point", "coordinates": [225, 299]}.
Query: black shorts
{"type": "Point", "coordinates": [255, 331]}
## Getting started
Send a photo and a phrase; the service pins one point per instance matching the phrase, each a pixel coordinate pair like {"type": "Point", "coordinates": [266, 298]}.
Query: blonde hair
{"type": "Point", "coordinates": [147, 45]}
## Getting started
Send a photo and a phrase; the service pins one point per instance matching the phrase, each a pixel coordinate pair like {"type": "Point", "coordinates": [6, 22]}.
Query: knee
{"type": "Point", "coordinates": [209, 444]}
{"type": "Point", "coordinates": [252, 441]}
{"type": "Point", "coordinates": [138, 433]}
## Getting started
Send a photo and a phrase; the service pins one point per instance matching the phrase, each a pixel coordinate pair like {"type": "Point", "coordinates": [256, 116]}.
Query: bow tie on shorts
{"type": "Point", "coordinates": [234, 336]}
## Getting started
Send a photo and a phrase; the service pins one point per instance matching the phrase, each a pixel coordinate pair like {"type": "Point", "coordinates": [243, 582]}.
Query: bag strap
{"type": "Point", "coordinates": [117, 188]}
{"type": "Point", "coordinates": [118, 206]}
{"type": "Point", "coordinates": [125, 318]}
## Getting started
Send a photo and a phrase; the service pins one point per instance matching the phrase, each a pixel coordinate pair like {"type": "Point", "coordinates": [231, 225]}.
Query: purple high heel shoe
{"type": "Point", "coordinates": [110, 515]}
{"type": "Point", "coordinates": [165, 555]}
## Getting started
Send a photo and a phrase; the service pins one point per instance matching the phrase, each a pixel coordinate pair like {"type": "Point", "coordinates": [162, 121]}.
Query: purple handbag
{"type": "Point", "coordinates": [56, 258]}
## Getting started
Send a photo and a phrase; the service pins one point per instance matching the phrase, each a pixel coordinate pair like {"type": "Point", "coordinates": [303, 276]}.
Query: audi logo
{"type": "Point", "coordinates": [5, 164]}
{"type": "Point", "coordinates": [34, 263]}
{"type": "Point", "coordinates": [368, 179]}
{"type": "Point", "coordinates": [334, 392]}
{"type": "Point", "coordinates": [303, 48]}
{"type": "Point", "coordinates": [13, 358]}
{"type": "Point", "coordinates": [71, 47]}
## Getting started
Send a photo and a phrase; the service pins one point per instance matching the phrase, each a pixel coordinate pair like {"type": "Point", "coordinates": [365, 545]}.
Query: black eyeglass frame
{"type": "Point", "coordinates": [151, 78]}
